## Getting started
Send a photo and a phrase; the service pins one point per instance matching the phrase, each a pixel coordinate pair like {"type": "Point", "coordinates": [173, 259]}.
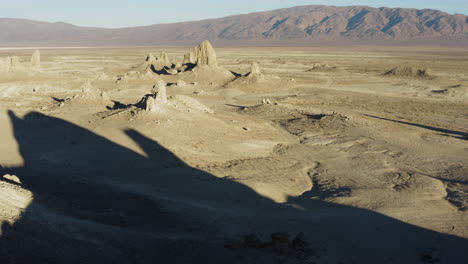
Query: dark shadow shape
{"type": "Point", "coordinates": [189, 66]}
{"type": "Point", "coordinates": [455, 86]}
{"type": "Point", "coordinates": [58, 100]}
{"type": "Point", "coordinates": [237, 75]}
{"type": "Point", "coordinates": [242, 107]}
{"type": "Point", "coordinates": [393, 21]}
{"type": "Point", "coordinates": [316, 116]}
{"type": "Point", "coordinates": [162, 71]}
{"type": "Point", "coordinates": [452, 133]}
{"type": "Point", "coordinates": [321, 193]}
{"type": "Point", "coordinates": [356, 21]}
{"type": "Point", "coordinates": [440, 91]}
{"type": "Point", "coordinates": [142, 103]}
{"type": "Point", "coordinates": [98, 202]}
{"type": "Point", "coordinates": [117, 106]}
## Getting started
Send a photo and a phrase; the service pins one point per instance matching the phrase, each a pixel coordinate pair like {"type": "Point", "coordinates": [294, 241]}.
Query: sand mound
{"type": "Point", "coordinates": [255, 76]}
{"type": "Point", "coordinates": [87, 87]}
{"type": "Point", "coordinates": [406, 71]}
{"type": "Point", "coordinates": [103, 77]}
{"type": "Point", "coordinates": [88, 96]}
{"type": "Point", "coordinates": [272, 111]}
{"type": "Point", "coordinates": [207, 75]}
{"type": "Point", "coordinates": [146, 74]}
{"type": "Point", "coordinates": [91, 93]}
{"type": "Point", "coordinates": [191, 104]}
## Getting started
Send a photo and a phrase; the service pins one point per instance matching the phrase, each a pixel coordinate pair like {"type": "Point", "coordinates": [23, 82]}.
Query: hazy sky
{"type": "Point", "coordinates": [121, 13]}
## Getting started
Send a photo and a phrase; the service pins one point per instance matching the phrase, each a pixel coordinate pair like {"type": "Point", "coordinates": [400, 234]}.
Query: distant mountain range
{"type": "Point", "coordinates": [299, 26]}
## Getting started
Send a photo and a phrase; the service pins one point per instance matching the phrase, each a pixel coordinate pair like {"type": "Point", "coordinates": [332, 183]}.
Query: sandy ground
{"type": "Point", "coordinates": [337, 165]}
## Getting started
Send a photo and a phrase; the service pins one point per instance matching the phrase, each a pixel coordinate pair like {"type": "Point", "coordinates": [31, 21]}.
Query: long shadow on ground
{"type": "Point", "coordinates": [451, 133]}
{"type": "Point", "coordinates": [98, 202]}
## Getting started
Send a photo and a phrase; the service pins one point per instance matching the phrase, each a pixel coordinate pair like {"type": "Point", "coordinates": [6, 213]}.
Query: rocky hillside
{"type": "Point", "coordinates": [301, 25]}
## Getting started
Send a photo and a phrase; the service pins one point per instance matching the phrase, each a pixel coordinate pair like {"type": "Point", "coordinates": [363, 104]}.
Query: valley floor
{"type": "Point", "coordinates": [332, 162]}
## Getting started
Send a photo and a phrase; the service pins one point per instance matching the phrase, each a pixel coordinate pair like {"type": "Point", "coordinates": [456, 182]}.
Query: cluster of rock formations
{"type": "Point", "coordinates": [406, 71]}
{"type": "Point", "coordinates": [321, 67]}
{"type": "Point", "coordinates": [158, 102]}
{"type": "Point", "coordinates": [13, 64]}
{"type": "Point", "coordinates": [200, 64]}
{"type": "Point", "coordinates": [158, 63]}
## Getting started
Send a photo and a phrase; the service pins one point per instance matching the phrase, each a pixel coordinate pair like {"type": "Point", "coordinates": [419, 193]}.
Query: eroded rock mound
{"type": "Point", "coordinates": [158, 97]}
{"type": "Point", "coordinates": [150, 57]}
{"type": "Point", "coordinates": [158, 102]}
{"type": "Point", "coordinates": [321, 67]}
{"type": "Point", "coordinates": [13, 64]}
{"type": "Point", "coordinates": [203, 54]}
{"type": "Point", "coordinates": [36, 61]}
{"type": "Point", "coordinates": [89, 92]}
{"type": "Point", "coordinates": [88, 96]}
{"type": "Point", "coordinates": [157, 62]}
{"type": "Point", "coordinates": [151, 68]}
{"type": "Point", "coordinates": [87, 87]}
{"type": "Point", "coordinates": [5, 64]}
{"type": "Point", "coordinates": [255, 76]}
{"type": "Point", "coordinates": [164, 59]}
{"type": "Point", "coordinates": [181, 83]}
{"type": "Point", "coordinates": [406, 71]}
{"type": "Point", "coordinates": [255, 69]}
{"type": "Point", "coordinates": [160, 91]}
{"type": "Point", "coordinates": [200, 65]}
{"type": "Point", "coordinates": [16, 65]}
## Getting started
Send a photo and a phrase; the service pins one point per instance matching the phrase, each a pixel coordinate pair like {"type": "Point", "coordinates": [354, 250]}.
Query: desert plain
{"type": "Point", "coordinates": [353, 154]}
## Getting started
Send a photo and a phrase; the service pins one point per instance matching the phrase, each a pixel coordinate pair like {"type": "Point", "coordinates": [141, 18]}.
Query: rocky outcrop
{"type": "Point", "coordinates": [203, 54]}
{"type": "Point", "coordinates": [16, 65]}
{"type": "Point", "coordinates": [406, 71]}
{"type": "Point", "coordinates": [158, 97]}
{"type": "Point", "coordinates": [36, 61]}
{"type": "Point", "coordinates": [160, 92]}
{"type": "Point", "coordinates": [255, 69]}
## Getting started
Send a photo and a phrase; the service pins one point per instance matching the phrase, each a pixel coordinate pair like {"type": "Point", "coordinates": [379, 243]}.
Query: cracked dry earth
{"type": "Point", "coordinates": [340, 164]}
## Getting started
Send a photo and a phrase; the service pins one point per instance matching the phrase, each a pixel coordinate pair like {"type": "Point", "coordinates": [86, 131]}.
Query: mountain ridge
{"type": "Point", "coordinates": [301, 25]}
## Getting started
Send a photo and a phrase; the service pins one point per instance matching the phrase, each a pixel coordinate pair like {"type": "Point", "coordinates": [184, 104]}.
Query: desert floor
{"type": "Point", "coordinates": [337, 164]}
